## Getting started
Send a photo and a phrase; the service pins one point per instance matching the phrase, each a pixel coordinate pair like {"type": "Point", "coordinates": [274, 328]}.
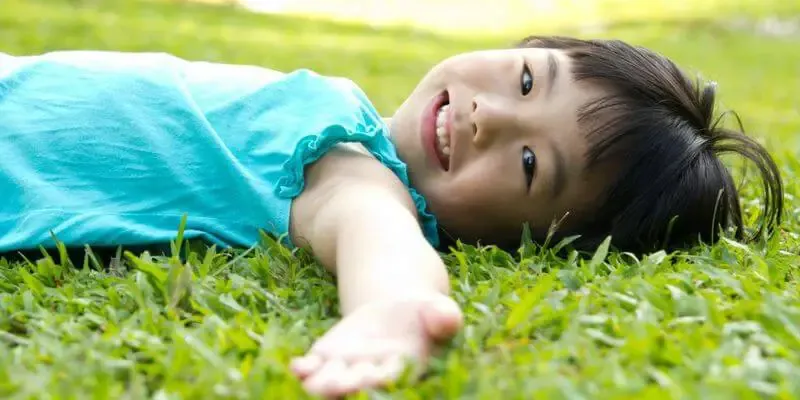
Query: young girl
{"type": "Point", "coordinates": [591, 137]}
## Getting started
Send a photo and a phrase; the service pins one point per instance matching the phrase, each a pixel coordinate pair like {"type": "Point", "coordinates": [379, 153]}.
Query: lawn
{"type": "Point", "coordinates": [719, 321]}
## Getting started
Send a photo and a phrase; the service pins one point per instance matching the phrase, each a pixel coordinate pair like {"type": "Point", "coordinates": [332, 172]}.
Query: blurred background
{"type": "Point", "coordinates": [750, 47]}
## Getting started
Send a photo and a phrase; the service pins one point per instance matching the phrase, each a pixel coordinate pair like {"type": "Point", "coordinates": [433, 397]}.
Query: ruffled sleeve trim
{"type": "Point", "coordinates": [311, 147]}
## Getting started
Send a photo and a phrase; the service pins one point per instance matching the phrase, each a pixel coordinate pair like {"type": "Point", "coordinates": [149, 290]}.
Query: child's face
{"type": "Point", "coordinates": [507, 126]}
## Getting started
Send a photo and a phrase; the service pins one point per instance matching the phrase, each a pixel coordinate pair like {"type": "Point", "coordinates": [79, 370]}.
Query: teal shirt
{"type": "Point", "coordinates": [106, 149]}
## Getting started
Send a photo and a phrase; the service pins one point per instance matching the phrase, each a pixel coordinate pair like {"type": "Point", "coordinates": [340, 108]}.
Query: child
{"type": "Point", "coordinates": [599, 136]}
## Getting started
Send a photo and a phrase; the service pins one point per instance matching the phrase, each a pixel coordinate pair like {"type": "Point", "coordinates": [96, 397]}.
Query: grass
{"type": "Point", "coordinates": [719, 321]}
{"type": "Point", "coordinates": [450, 16]}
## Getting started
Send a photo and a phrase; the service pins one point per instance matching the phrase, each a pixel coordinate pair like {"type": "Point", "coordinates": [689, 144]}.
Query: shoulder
{"type": "Point", "coordinates": [329, 94]}
{"type": "Point", "coordinates": [341, 186]}
{"type": "Point", "coordinates": [105, 63]}
{"type": "Point", "coordinates": [155, 69]}
{"type": "Point", "coordinates": [350, 167]}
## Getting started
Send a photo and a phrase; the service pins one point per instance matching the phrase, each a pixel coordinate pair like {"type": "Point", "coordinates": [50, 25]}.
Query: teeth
{"type": "Point", "coordinates": [440, 132]}
{"type": "Point", "coordinates": [441, 116]}
{"type": "Point", "coordinates": [443, 139]}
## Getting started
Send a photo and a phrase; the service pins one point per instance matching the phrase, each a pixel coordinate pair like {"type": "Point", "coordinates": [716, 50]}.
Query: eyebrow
{"type": "Point", "coordinates": [552, 70]}
{"type": "Point", "coordinates": [560, 175]}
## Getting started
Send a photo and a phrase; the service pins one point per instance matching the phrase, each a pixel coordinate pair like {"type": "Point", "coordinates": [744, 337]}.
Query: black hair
{"type": "Point", "coordinates": [657, 127]}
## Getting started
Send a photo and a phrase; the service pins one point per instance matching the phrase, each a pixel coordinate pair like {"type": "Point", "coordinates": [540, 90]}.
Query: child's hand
{"type": "Point", "coordinates": [368, 348]}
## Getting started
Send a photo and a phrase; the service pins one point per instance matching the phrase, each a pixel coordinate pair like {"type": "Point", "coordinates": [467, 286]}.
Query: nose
{"type": "Point", "coordinates": [492, 119]}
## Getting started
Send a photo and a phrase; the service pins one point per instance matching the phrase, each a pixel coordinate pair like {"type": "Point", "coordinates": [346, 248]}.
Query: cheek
{"type": "Point", "coordinates": [479, 215]}
{"type": "Point", "coordinates": [479, 196]}
{"type": "Point", "coordinates": [459, 70]}
{"type": "Point", "coordinates": [456, 206]}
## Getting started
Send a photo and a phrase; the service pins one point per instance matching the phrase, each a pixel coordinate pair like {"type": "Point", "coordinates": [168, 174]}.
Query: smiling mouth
{"type": "Point", "coordinates": [442, 139]}
{"type": "Point", "coordinates": [439, 139]}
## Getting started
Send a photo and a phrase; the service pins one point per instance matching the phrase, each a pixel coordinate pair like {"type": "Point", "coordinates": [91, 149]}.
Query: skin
{"type": "Point", "coordinates": [393, 286]}
{"type": "Point", "coordinates": [491, 122]}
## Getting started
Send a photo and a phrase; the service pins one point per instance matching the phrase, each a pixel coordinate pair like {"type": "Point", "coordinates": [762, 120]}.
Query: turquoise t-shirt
{"type": "Point", "coordinates": [106, 148]}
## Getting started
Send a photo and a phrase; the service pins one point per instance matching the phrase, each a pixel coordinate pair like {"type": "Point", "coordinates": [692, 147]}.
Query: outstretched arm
{"type": "Point", "coordinates": [360, 222]}
{"type": "Point", "coordinates": [374, 245]}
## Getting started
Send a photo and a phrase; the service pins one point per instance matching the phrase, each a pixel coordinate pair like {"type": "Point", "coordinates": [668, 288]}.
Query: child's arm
{"type": "Point", "coordinates": [361, 223]}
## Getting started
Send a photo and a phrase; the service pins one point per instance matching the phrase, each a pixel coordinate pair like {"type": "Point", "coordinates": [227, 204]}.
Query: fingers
{"type": "Point", "coordinates": [390, 369]}
{"type": "Point", "coordinates": [336, 378]}
{"type": "Point", "coordinates": [442, 318]}
{"type": "Point", "coordinates": [305, 366]}
{"type": "Point", "coordinates": [323, 380]}
{"type": "Point", "coordinates": [374, 350]}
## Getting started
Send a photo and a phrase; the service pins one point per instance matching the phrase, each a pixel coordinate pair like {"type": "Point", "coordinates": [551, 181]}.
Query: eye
{"type": "Point", "coordinates": [526, 80]}
{"type": "Point", "coordinates": [528, 165]}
